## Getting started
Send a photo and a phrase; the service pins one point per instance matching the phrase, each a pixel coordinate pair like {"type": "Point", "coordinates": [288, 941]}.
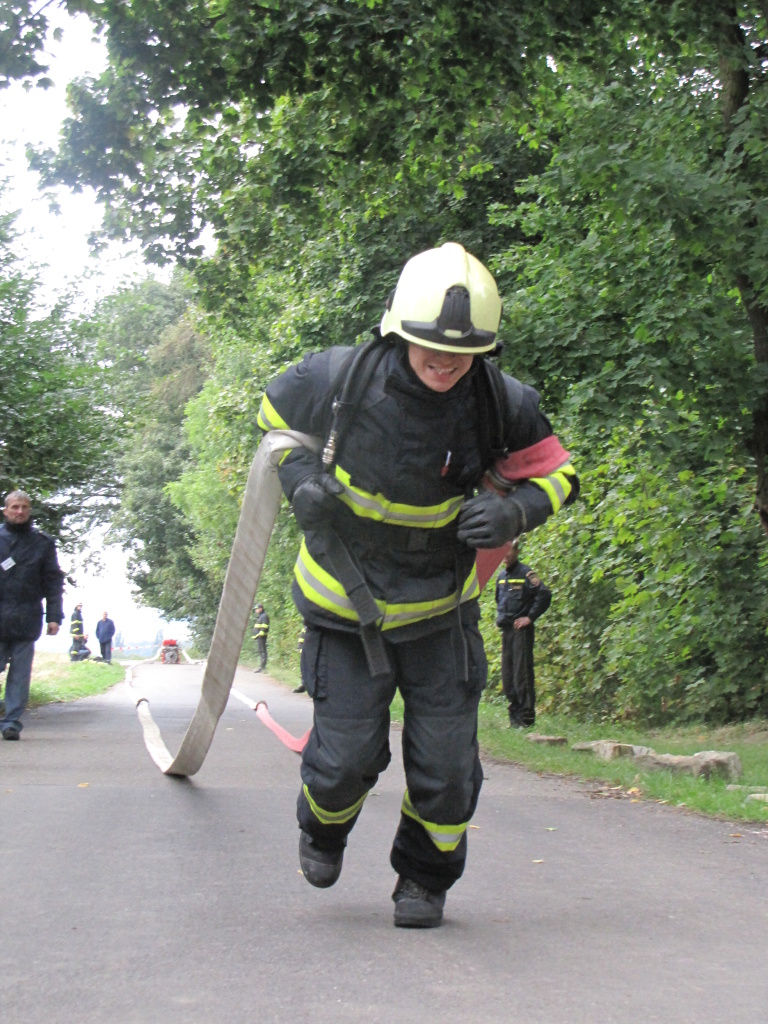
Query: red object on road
{"type": "Point", "coordinates": [169, 652]}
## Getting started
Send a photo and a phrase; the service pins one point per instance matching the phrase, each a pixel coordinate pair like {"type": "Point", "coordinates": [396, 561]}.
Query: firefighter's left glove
{"type": "Point", "coordinates": [488, 521]}
{"type": "Point", "coordinates": [315, 500]}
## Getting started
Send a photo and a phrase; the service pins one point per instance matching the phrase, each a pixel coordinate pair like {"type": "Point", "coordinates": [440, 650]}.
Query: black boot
{"type": "Point", "coordinates": [415, 906]}
{"type": "Point", "coordinates": [321, 867]}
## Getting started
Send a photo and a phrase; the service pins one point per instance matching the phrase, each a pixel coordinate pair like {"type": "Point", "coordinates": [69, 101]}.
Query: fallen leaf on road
{"type": "Point", "coordinates": [82, 785]}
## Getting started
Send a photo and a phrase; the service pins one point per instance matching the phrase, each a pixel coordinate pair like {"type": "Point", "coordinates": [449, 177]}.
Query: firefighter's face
{"type": "Point", "coordinates": [439, 371]}
{"type": "Point", "coordinates": [17, 511]}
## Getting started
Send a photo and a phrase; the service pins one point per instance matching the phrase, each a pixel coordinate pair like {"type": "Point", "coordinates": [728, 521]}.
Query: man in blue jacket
{"type": "Point", "coordinates": [105, 630]}
{"type": "Point", "coordinates": [29, 575]}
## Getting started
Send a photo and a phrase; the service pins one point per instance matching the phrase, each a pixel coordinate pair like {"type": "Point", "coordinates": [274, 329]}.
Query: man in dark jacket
{"type": "Point", "coordinates": [105, 630]}
{"type": "Point", "coordinates": [521, 598]}
{"type": "Point", "coordinates": [29, 575]}
{"type": "Point", "coordinates": [386, 578]}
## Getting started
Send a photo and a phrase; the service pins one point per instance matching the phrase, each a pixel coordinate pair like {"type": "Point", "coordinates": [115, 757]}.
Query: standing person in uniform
{"type": "Point", "coordinates": [105, 630]}
{"type": "Point", "coordinates": [521, 598]}
{"type": "Point", "coordinates": [76, 621]}
{"type": "Point", "coordinates": [386, 578]}
{"type": "Point", "coordinates": [29, 575]}
{"type": "Point", "coordinates": [260, 634]}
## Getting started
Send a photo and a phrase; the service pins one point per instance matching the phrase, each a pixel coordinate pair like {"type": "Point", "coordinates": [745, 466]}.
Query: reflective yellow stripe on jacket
{"type": "Point", "coordinates": [324, 590]}
{"type": "Point", "coordinates": [269, 418]}
{"type": "Point", "coordinates": [557, 486]}
{"type": "Point", "coordinates": [445, 837]}
{"type": "Point", "coordinates": [381, 509]}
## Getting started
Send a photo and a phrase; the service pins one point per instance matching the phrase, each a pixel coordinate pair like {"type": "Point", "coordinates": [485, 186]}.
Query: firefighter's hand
{"type": "Point", "coordinates": [488, 521]}
{"type": "Point", "coordinates": [53, 628]}
{"type": "Point", "coordinates": [315, 500]}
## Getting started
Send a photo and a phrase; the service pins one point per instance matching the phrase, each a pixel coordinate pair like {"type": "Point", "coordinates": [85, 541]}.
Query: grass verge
{"type": "Point", "coordinates": [55, 678]}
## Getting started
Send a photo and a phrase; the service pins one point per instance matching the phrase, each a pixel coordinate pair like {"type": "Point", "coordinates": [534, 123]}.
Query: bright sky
{"type": "Point", "coordinates": [58, 245]}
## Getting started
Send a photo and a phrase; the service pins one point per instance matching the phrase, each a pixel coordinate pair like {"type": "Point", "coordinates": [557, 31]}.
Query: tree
{"type": "Point", "coordinates": [157, 361]}
{"type": "Point", "coordinates": [396, 88]}
{"type": "Point", "coordinates": [57, 437]}
{"type": "Point", "coordinates": [607, 161]}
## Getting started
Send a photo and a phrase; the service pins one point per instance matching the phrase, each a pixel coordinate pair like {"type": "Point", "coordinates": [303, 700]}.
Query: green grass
{"type": "Point", "coordinates": [55, 678]}
{"type": "Point", "coordinates": [749, 740]}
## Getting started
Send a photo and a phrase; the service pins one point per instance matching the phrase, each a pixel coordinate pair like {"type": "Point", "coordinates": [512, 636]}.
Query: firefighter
{"type": "Point", "coordinates": [76, 627]}
{"type": "Point", "coordinates": [260, 634]}
{"type": "Point", "coordinates": [386, 578]}
{"type": "Point", "coordinates": [521, 598]}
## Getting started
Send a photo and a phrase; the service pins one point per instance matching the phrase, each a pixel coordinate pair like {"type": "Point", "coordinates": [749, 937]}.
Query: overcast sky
{"type": "Point", "coordinates": [58, 245]}
{"type": "Point", "coordinates": [57, 242]}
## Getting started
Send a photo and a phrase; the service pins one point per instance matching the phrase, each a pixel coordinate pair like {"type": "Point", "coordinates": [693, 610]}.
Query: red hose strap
{"type": "Point", "coordinates": [297, 745]}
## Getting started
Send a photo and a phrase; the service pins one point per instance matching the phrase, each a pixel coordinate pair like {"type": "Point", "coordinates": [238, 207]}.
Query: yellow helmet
{"type": "Point", "coordinates": [445, 299]}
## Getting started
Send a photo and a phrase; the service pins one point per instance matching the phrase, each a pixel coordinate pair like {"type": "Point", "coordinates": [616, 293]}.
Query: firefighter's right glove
{"type": "Point", "coordinates": [488, 521]}
{"type": "Point", "coordinates": [315, 500]}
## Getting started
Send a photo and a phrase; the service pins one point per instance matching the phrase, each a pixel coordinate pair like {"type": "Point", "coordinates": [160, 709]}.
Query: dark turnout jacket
{"type": "Point", "coordinates": [520, 592]}
{"type": "Point", "coordinates": [29, 575]}
{"type": "Point", "coordinates": [408, 462]}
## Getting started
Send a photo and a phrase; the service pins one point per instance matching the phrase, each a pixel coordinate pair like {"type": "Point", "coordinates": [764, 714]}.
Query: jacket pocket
{"type": "Point", "coordinates": [477, 662]}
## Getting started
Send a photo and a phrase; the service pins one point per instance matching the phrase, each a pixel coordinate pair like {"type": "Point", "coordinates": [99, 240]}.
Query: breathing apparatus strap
{"type": "Point", "coordinates": [358, 592]}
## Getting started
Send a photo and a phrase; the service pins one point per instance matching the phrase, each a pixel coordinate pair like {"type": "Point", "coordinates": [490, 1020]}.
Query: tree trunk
{"type": "Point", "coordinates": [734, 78]}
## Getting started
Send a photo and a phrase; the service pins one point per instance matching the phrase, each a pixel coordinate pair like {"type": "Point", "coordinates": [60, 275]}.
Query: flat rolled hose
{"type": "Point", "coordinates": [261, 502]}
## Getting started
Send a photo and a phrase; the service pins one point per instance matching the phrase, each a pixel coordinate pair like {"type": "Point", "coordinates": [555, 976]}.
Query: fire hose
{"type": "Point", "coordinates": [261, 502]}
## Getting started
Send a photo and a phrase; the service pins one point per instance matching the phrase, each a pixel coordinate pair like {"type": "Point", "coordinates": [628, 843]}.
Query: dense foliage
{"type": "Point", "coordinates": [607, 161]}
{"type": "Point", "coordinates": [56, 434]}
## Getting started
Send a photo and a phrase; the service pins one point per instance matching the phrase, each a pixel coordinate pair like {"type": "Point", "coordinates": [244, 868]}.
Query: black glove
{"type": "Point", "coordinates": [314, 500]}
{"type": "Point", "coordinates": [488, 521]}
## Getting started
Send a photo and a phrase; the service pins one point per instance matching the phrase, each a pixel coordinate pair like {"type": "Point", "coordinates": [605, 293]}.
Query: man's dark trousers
{"type": "Point", "coordinates": [18, 655]}
{"type": "Point", "coordinates": [517, 674]}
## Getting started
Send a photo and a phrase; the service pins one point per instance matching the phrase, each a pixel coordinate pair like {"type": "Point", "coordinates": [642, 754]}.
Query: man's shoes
{"type": "Point", "coordinates": [415, 906]}
{"type": "Point", "coordinates": [321, 867]}
{"type": "Point", "coordinates": [10, 732]}
{"type": "Point", "coordinates": [301, 688]}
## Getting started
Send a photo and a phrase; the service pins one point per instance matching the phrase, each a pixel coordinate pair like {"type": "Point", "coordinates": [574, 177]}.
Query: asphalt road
{"type": "Point", "coordinates": [132, 898]}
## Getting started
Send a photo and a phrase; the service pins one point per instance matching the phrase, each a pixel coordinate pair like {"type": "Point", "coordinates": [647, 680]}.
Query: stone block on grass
{"type": "Point", "coordinates": [705, 763]}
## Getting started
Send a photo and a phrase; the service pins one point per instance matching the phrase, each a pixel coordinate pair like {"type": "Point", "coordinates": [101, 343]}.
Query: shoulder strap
{"type": "Point", "coordinates": [505, 396]}
{"type": "Point", "coordinates": [349, 386]}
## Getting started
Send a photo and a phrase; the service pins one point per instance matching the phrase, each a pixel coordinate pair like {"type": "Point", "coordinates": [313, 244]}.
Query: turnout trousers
{"type": "Point", "coordinates": [440, 680]}
{"type": "Point", "coordinates": [517, 676]}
